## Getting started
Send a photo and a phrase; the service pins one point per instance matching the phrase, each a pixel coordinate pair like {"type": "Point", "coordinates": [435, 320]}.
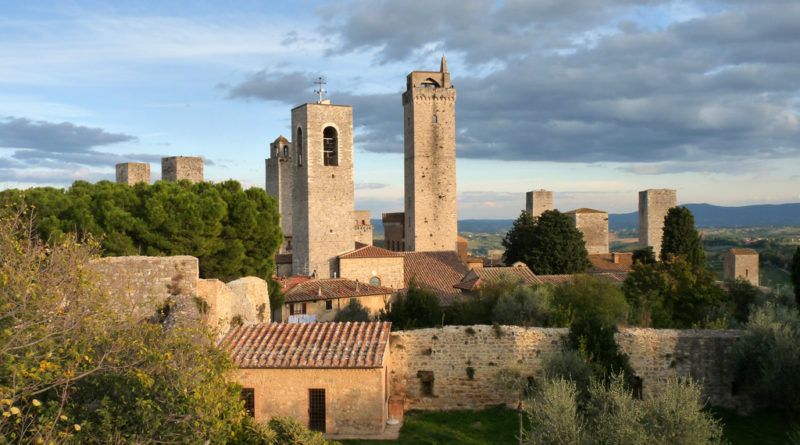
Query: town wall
{"type": "Point", "coordinates": [132, 172]}
{"type": "Point", "coordinates": [653, 207]}
{"type": "Point", "coordinates": [538, 201]}
{"type": "Point", "coordinates": [704, 355]}
{"type": "Point", "coordinates": [218, 296]}
{"type": "Point", "coordinates": [249, 299]}
{"type": "Point", "coordinates": [177, 168]}
{"type": "Point", "coordinates": [388, 269]}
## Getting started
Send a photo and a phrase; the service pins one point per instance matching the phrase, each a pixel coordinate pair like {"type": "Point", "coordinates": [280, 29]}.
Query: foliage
{"type": "Point", "coordinates": [554, 416]}
{"type": "Point", "coordinates": [416, 308]}
{"type": "Point", "coordinates": [740, 297]}
{"type": "Point", "coordinates": [233, 232]}
{"type": "Point", "coordinates": [645, 255]}
{"type": "Point", "coordinates": [768, 358]}
{"type": "Point", "coordinates": [594, 340]}
{"type": "Point", "coordinates": [588, 297]}
{"type": "Point", "coordinates": [569, 364]}
{"type": "Point", "coordinates": [681, 238]}
{"type": "Point", "coordinates": [796, 275]}
{"type": "Point", "coordinates": [549, 244]}
{"type": "Point", "coordinates": [289, 431]}
{"type": "Point", "coordinates": [524, 306]}
{"type": "Point", "coordinates": [670, 294]}
{"type": "Point", "coordinates": [276, 296]}
{"type": "Point", "coordinates": [354, 311]}
{"type": "Point", "coordinates": [480, 307]}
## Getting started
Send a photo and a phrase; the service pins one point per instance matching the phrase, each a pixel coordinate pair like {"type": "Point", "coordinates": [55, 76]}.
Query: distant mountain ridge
{"type": "Point", "coordinates": [705, 215]}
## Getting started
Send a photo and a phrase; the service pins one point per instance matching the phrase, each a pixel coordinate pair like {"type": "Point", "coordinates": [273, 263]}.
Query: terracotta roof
{"type": "Point", "coordinates": [359, 245]}
{"type": "Point", "coordinates": [280, 139]}
{"type": "Point", "coordinates": [308, 345]}
{"type": "Point", "coordinates": [369, 252]}
{"type": "Point", "coordinates": [604, 262]}
{"type": "Point", "coordinates": [743, 252]}
{"type": "Point", "coordinates": [326, 289]}
{"type": "Point", "coordinates": [437, 271]}
{"type": "Point", "coordinates": [283, 258]}
{"type": "Point", "coordinates": [477, 277]}
{"type": "Point", "coordinates": [585, 210]}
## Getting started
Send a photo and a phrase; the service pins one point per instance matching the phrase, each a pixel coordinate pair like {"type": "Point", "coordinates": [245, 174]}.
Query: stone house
{"type": "Point", "coordinates": [333, 377]}
{"type": "Point", "coordinates": [319, 299]}
{"type": "Point", "coordinates": [475, 278]}
{"type": "Point", "coordinates": [373, 265]}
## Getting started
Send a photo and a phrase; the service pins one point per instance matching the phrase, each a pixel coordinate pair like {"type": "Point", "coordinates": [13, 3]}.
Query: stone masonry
{"type": "Point", "coordinates": [132, 172]}
{"type": "Point", "coordinates": [594, 226]}
{"type": "Point", "coordinates": [177, 168]}
{"type": "Point", "coordinates": [741, 263]}
{"type": "Point", "coordinates": [322, 212]}
{"type": "Point", "coordinates": [280, 185]}
{"type": "Point", "coordinates": [653, 207]}
{"type": "Point", "coordinates": [538, 201]}
{"type": "Point", "coordinates": [443, 355]}
{"type": "Point", "coordinates": [394, 231]}
{"type": "Point", "coordinates": [430, 161]}
{"type": "Point", "coordinates": [363, 227]}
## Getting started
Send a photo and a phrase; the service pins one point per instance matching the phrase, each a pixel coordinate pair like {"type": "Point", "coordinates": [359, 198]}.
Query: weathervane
{"type": "Point", "coordinates": [320, 81]}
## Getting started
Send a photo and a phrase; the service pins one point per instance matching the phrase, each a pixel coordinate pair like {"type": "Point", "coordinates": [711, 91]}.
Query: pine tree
{"type": "Point", "coordinates": [549, 244]}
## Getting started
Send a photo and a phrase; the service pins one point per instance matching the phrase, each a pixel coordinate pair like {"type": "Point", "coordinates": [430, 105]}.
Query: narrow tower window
{"type": "Point", "coordinates": [299, 147]}
{"type": "Point", "coordinates": [285, 151]}
{"type": "Point", "coordinates": [330, 146]}
{"type": "Point", "coordinates": [435, 119]}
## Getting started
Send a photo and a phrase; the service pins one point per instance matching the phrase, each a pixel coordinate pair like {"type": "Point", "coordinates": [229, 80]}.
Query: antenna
{"type": "Point", "coordinates": [320, 81]}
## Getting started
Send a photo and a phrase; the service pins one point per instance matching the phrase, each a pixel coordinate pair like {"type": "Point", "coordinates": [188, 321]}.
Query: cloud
{"type": "Point", "coordinates": [271, 86]}
{"type": "Point", "coordinates": [370, 185]}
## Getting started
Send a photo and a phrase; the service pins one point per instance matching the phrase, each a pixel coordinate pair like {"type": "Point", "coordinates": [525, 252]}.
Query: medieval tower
{"type": "Point", "coordinates": [280, 184]}
{"type": "Point", "coordinates": [322, 211]}
{"type": "Point", "coordinates": [538, 202]}
{"type": "Point", "coordinates": [431, 221]}
{"type": "Point", "coordinates": [653, 207]}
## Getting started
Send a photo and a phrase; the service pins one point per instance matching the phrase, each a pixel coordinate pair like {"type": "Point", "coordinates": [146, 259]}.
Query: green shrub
{"type": "Point", "coordinates": [524, 306]}
{"type": "Point", "coordinates": [289, 431]}
{"type": "Point", "coordinates": [569, 365]}
{"type": "Point", "coordinates": [588, 297]}
{"type": "Point", "coordinates": [417, 308]}
{"type": "Point", "coordinates": [596, 343]}
{"type": "Point", "coordinates": [553, 415]}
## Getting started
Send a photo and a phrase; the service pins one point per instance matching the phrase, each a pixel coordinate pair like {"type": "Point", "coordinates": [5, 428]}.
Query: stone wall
{"type": "Point", "coordinates": [218, 297]}
{"type": "Point", "coordinates": [653, 207]}
{"type": "Point", "coordinates": [388, 269]}
{"type": "Point", "coordinates": [741, 265]}
{"type": "Point", "coordinates": [280, 184]}
{"type": "Point", "coordinates": [538, 201]}
{"type": "Point", "coordinates": [249, 300]}
{"type": "Point", "coordinates": [177, 168]}
{"type": "Point", "coordinates": [594, 226]}
{"type": "Point", "coordinates": [132, 172]}
{"type": "Point", "coordinates": [363, 227]}
{"type": "Point", "coordinates": [448, 352]}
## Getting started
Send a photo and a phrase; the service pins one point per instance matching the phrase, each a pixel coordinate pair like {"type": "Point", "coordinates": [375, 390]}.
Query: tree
{"type": "Point", "coordinates": [588, 297]}
{"type": "Point", "coordinates": [354, 311]}
{"type": "Point", "coordinates": [416, 308]}
{"type": "Point", "coordinates": [681, 238]}
{"type": "Point", "coordinates": [644, 255]}
{"type": "Point", "coordinates": [549, 244]}
{"type": "Point", "coordinates": [796, 275]}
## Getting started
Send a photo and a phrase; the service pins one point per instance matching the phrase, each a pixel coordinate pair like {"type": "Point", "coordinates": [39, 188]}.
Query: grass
{"type": "Point", "coordinates": [498, 425]}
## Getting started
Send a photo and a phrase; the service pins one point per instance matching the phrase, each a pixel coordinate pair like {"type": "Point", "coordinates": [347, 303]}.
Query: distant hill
{"type": "Point", "coordinates": [705, 215]}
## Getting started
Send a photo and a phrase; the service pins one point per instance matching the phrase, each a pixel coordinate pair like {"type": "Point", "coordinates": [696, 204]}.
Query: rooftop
{"type": "Point", "coordinates": [308, 345]}
{"type": "Point", "coordinates": [611, 262]}
{"type": "Point", "coordinates": [436, 271]}
{"type": "Point", "coordinates": [370, 252]}
{"type": "Point", "coordinates": [585, 210]}
{"type": "Point", "coordinates": [330, 288]}
{"type": "Point", "coordinates": [743, 252]}
{"type": "Point", "coordinates": [477, 277]}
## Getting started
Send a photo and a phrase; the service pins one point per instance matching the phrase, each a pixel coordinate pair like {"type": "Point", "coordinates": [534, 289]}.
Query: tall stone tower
{"type": "Point", "coordinates": [280, 184]}
{"type": "Point", "coordinates": [653, 207]}
{"type": "Point", "coordinates": [322, 213]}
{"type": "Point", "coordinates": [429, 111]}
{"type": "Point", "coordinates": [177, 168]}
{"type": "Point", "coordinates": [132, 172]}
{"type": "Point", "coordinates": [594, 226]}
{"type": "Point", "coordinates": [538, 201]}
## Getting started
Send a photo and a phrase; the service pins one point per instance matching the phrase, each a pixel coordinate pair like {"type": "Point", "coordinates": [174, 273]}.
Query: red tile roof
{"type": "Point", "coordinates": [617, 277]}
{"type": "Point", "coordinates": [325, 289]}
{"type": "Point", "coordinates": [369, 252]}
{"type": "Point", "coordinates": [604, 262]}
{"type": "Point", "coordinates": [308, 345]}
{"type": "Point", "coordinates": [477, 277]}
{"type": "Point", "coordinates": [437, 271]}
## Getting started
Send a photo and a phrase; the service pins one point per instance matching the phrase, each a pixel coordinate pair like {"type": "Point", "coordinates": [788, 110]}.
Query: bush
{"type": "Point", "coordinates": [554, 417]}
{"type": "Point", "coordinates": [569, 364]}
{"type": "Point", "coordinates": [524, 306]}
{"type": "Point", "coordinates": [597, 345]}
{"type": "Point", "coordinates": [417, 308]}
{"type": "Point", "coordinates": [289, 431]}
{"type": "Point", "coordinates": [354, 311]}
{"type": "Point", "coordinates": [588, 297]}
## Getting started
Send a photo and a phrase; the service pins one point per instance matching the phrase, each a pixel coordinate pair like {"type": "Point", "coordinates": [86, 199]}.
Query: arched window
{"type": "Point", "coordinates": [330, 146]}
{"type": "Point", "coordinates": [375, 281]}
{"type": "Point", "coordinates": [299, 147]}
{"type": "Point", "coordinates": [285, 151]}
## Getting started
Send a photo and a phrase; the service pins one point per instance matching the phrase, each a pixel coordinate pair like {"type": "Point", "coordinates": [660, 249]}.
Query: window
{"type": "Point", "coordinates": [248, 396]}
{"type": "Point", "coordinates": [435, 119]}
{"type": "Point", "coordinates": [286, 151]}
{"type": "Point", "coordinates": [316, 410]}
{"type": "Point", "coordinates": [297, 308]}
{"type": "Point", "coordinates": [375, 281]}
{"type": "Point", "coordinates": [328, 304]}
{"type": "Point", "coordinates": [299, 147]}
{"type": "Point", "coordinates": [426, 380]}
{"type": "Point", "coordinates": [330, 146]}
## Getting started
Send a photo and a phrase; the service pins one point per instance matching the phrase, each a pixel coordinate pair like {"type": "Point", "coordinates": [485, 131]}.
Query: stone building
{"type": "Point", "coordinates": [177, 168]}
{"type": "Point", "coordinates": [653, 207]}
{"type": "Point", "coordinates": [741, 263]}
{"type": "Point", "coordinates": [333, 377]}
{"type": "Point", "coordinates": [319, 300]}
{"type": "Point", "coordinates": [538, 202]}
{"type": "Point", "coordinates": [322, 211]}
{"type": "Point", "coordinates": [594, 226]}
{"type": "Point", "coordinates": [431, 222]}
{"type": "Point", "coordinates": [363, 227]}
{"type": "Point", "coordinates": [280, 185]}
{"type": "Point", "coordinates": [394, 231]}
{"type": "Point", "coordinates": [132, 172]}
{"type": "Point", "coordinates": [373, 265]}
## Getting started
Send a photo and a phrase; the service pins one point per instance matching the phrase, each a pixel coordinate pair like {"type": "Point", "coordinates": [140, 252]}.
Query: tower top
{"type": "Point", "coordinates": [320, 81]}
{"type": "Point", "coordinates": [443, 67]}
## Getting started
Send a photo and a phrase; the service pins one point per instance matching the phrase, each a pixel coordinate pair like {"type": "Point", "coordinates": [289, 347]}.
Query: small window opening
{"type": "Point", "coordinates": [328, 304]}
{"type": "Point", "coordinates": [297, 309]}
{"type": "Point", "coordinates": [330, 146]}
{"type": "Point", "coordinates": [638, 384]}
{"type": "Point", "coordinates": [375, 281]}
{"type": "Point", "coordinates": [435, 119]}
{"type": "Point", "coordinates": [426, 381]}
{"type": "Point", "coordinates": [746, 273]}
{"type": "Point", "coordinates": [286, 151]}
{"type": "Point", "coordinates": [299, 147]}
{"type": "Point", "coordinates": [316, 410]}
{"type": "Point", "coordinates": [735, 389]}
{"type": "Point", "coordinates": [248, 396]}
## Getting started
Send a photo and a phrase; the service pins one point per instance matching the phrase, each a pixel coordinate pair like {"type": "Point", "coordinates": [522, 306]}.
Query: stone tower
{"type": "Point", "coordinates": [429, 121]}
{"type": "Point", "coordinates": [322, 213]}
{"type": "Point", "coordinates": [538, 201]}
{"type": "Point", "coordinates": [132, 172]}
{"type": "Point", "coordinates": [741, 263]}
{"type": "Point", "coordinates": [653, 207]}
{"type": "Point", "coordinates": [594, 226]}
{"type": "Point", "coordinates": [280, 184]}
{"type": "Point", "coordinates": [177, 168]}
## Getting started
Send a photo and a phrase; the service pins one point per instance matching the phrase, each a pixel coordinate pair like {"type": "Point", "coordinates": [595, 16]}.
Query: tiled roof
{"type": "Point", "coordinates": [280, 139]}
{"type": "Point", "coordinates": [283, 258]}
{"type": "Point", "coordinates": [475, 278]}
{"type": "Point", "coordinates": [437, 271]}
{"type": "Point", "coordinates": [604, 262]}
{"type": "Point", "coordinates": [585, 210]}
{"type": "Point", "coordinates": [359, 245]}
{"type": "Point", "coordinates": [325, 289]}
{"type": "Point", "coordinates": [743, 252]}
{"type": "Point", "coordinates": [290, 282]}
{"type": "Point", "coordinates": [369, 252]}
{"type": "Point", "coordinates": [308, 345]}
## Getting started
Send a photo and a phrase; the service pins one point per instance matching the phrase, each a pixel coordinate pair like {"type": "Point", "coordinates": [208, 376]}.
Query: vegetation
{"type": "Point", "coordinates": [354, 311]}
{"type": "Point", "coordinates": [233, 232]}
{"type": "Point", "coordinates": [416, 308]}
{"type": "Point", "coordinates": [588, 298]}
{"type": "Point", "coordinates": [549, 244]}
{"type": "Point", "coordinates": [681, 238]}
{"type": "Point", "coordinates": [796, 275]}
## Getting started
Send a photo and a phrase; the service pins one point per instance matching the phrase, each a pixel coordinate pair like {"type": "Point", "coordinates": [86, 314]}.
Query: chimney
{"type": "Point", "coordinates": [356, 285]}
{"type": "Point", "coordinates": [319, 291]}
{"type": "Point", "coordinates": [615, 258]}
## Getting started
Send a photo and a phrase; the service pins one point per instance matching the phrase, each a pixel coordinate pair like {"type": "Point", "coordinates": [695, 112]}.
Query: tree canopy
{"type": "Point", "coordinates": [681, 238]}
{"type": "Point", "coordinates": [796, 275]}
{"type": "Point", "coordinates": [549, 244]}
{"type": "Point", "coordinates": [233, 232]}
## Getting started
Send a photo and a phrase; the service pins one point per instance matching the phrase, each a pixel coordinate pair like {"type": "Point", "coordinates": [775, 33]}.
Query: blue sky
{"type": "Point", "coordinates": [592, 99]}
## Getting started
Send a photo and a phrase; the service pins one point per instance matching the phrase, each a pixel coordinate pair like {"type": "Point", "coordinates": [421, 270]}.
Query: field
{"type": "Point", "coordinates": [499, 426]}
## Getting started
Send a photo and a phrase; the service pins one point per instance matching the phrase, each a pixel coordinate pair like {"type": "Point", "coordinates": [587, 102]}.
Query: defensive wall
{"type": "Point", "coordinates": [431, 367]}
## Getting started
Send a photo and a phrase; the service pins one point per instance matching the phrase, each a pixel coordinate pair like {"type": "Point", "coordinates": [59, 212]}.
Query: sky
{"type": "Point", "coordinates": [592, 99]}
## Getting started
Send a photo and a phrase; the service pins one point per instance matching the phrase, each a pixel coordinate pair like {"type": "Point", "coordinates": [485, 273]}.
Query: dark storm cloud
{"type": "Point", "coordinates": [585, 81]}
{"type": "Point", "coordinates": [270, 85]}
{"type": "Point", "coordinates": [64, 137]}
